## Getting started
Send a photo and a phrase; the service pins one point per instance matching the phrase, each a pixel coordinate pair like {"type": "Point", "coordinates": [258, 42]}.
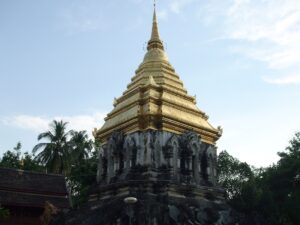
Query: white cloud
{"type": "Point", "coordinates": [41, 124]}
{"type": "Point", "coordinates": [177, 5]}
{"type": "Point", "coordinates": [84, 122]}
{"type": "Point", "coordinates": [293, 79]}
{"type": "Point", "coordinates": [80, 17]}
{"type": "Point", "coordinates": [33, 123]}
{"type": "Point", "coordinates": [267, 31]}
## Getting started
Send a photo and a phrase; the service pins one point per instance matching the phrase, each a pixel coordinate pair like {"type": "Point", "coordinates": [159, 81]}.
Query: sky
{"type": "Point", "coordinates": [62, 59]}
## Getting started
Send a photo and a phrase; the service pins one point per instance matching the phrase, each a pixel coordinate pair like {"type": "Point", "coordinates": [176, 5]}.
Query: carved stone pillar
{"type": "Point", "coordinates": [100, 165]}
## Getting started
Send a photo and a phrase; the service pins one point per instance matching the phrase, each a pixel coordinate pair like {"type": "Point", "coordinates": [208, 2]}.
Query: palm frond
{"type": "Point", "coordinates": [38, 147]}
{"type": "Point", "coordinates": [48, 135]}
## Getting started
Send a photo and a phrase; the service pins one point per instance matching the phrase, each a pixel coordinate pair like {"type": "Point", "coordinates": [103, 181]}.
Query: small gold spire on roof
{"type": "Point", "coordinates": [151, 81]}
{"type": "Point", "coordinates": [155, 41]}
{"type": "Point", "coordinates": [115, 101]}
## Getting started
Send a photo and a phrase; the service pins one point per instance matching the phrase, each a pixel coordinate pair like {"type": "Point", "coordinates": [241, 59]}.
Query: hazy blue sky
{"type": "Point", "coordinates": [69, 59]}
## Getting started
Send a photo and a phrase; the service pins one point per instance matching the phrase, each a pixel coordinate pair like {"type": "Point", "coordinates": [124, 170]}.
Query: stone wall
{"type": "Point", "coordinates": [183, 159]}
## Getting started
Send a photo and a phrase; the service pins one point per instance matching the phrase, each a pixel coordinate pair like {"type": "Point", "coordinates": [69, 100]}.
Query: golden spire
{"type": "Point", "coordinates": [155, 41]}
{"type": "Point", "coordinates": [156, 99]}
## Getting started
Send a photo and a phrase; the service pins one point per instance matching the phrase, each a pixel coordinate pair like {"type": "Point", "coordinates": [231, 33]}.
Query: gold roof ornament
{"type": "Point", "coordinates": [155, 41]}
{"type": "Point", "coordinates": [156, 99]}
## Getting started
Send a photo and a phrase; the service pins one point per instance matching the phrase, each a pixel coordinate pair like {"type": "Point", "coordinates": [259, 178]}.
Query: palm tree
{"type": "Point", "coordinates": [81, 145]}
{"type": "Point", "coordinates": [54, 154]}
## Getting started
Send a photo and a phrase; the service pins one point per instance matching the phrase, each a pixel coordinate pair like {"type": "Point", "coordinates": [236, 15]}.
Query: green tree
{"type": "Point", "coordinates": [83, 167]}
{"type": "Point", "coordinates": [81, 177]}
{"type": "Point", "coordinates": [11, 159]}
{"type": "Point", "coordinates": [81, 146]}
{"type": "Point", "coordinates": [266, 196]}
{"type": "Point", "coordinates": [282, 181]}
{"type": "Point", "coordinates": [15, 160]}
{"type": "Point", "coordinates": [232, 174]}
{"type": "Point", "coordinates": [55, 153]}
{"type": "Point", "coordinates": [28, 162]}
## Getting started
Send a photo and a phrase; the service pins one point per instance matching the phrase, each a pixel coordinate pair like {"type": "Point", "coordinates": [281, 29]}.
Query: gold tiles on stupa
{"type": "Point", "coordinates": [156, 99]}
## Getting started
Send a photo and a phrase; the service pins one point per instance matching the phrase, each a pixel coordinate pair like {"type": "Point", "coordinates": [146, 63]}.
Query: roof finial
{"type": "Point", "coordinates": [155, 41]}
{"type": "Point", "coordinates": [154, 12]}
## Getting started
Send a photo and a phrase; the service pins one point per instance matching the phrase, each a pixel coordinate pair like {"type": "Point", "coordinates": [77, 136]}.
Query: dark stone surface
{"type": "Point", "coordinates": [172, 176]}
{"type": "Point", "coordinates": [158, 203]}
{"type": "Point", "coordinates": [182, 158]}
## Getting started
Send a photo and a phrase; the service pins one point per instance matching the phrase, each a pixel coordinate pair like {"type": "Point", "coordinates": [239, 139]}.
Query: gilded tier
{"type": "Point", "coordinates": [156, 99]}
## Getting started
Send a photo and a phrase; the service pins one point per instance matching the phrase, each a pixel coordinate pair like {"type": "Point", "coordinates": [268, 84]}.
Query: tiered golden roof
{"type": "Point", "coordinates": [156, 99]}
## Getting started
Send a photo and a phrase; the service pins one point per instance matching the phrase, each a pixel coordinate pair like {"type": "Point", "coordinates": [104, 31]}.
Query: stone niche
{"type": "Point", "coordinates": [157, 155]}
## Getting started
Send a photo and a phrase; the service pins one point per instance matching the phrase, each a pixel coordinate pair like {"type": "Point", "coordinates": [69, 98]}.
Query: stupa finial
{"type": "Point", "coordinates": [155, 41]}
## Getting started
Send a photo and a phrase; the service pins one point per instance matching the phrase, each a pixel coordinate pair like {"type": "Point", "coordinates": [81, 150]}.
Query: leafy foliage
{"type": "Point", "coordinates": [81, 146]}
{"type": "Point", "coordinates": [81, 177]}
{"type": "Point", "coordinates": [69, 152]}
{"type": "Point", "coordinates": [15, 160]}
{"type": "Point", "coordinates": [233, 174]}
{"type": "Point", "coordinates": [54, 154]}
{"type": "Point", "coordinates": [11, 159]}
{"type": "Point", "coordinates": [268, 196]}
{"type": "Point", "coordinates": [84, 167]}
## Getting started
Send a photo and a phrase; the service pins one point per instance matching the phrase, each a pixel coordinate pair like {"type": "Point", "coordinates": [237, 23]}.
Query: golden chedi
{"type": "Point", "coordinates": [156, 99]}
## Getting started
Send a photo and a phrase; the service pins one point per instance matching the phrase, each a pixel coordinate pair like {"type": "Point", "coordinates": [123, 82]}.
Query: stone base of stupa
{"type": "Point", "coordinates": [172, 177]}
{"type": "Point", "coordinates": [158, 203]}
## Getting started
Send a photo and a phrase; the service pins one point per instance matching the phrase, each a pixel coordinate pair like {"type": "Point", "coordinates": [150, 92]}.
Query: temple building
{"type": "Point", "coordinates": [158, 159]}
{"type": "Point", "coordinates": [32, 198]}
